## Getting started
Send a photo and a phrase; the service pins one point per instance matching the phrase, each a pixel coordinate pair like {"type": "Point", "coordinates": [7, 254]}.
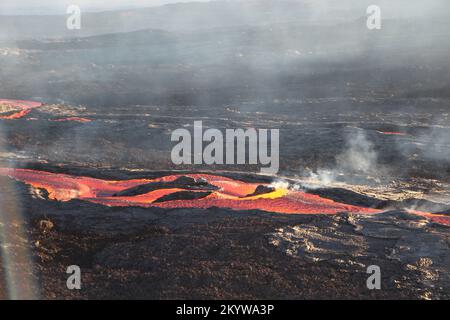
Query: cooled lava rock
{"type": "Point", "coordinates": [183, 195]}
{"type": "Point", "coordinates": [180, 183]}
{"type": "Point", "coordinates": [261, 189]}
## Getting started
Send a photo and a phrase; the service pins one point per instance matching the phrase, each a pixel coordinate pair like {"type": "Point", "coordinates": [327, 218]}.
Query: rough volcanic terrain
{"type": "Point", "coordinates": [223, 234]}
{"type": "Point", "coordinates": [86, 176]}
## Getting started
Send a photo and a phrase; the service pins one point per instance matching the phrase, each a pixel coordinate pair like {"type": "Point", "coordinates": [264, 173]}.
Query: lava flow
{"type": "Point", "coordinates": [74, 119]}
{"type": "Point", "coordinates": [24, 107]}
{"type": "Point", "coordinates": [185, 191]}
{"type": "Point", "coordinates": [392, 133]}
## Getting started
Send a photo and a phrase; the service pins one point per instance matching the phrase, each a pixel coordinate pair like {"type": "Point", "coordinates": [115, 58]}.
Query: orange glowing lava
{"type": "Point", "coordinates": [393, 133]}
{"type": "Point", "coordinates": [25, 106]}
{"type": "Point", "coordinates": [74, 119]}
{"type": "Point", "coordinates": [227, 193]}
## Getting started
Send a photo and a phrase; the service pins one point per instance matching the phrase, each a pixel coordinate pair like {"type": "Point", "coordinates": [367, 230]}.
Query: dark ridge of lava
{"type": "Point", "coordinates": [183, 195]}
{"type": "Point", "coordinates": [180, 183]}
{"type": "Point", "coordinates": [118, 174]}
{"type": "Point", "coordinates": [430, 206]}
{"type": "Point", "coordinates": [349, 197]}
{"type": "Point", "coordinates": [416, 204]}
{"type": "Point", "coordinates": [357, 199]}
{"type": "Point", "coordinates": [261, 189]}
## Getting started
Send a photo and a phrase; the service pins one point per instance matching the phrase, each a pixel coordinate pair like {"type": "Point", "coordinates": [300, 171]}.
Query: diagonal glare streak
{"type": "Point", "coordinates": [16, 267]}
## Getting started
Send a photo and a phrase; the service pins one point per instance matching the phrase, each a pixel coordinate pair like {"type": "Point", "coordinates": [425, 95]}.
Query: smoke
{"type": "Point", "coordinates": [217, 53]}
{"type": "Point", "coordinates": [280, 184]}
{"type": "Point", "coordinates": [392, 9]}
{"type": "Point", "coordinates": [226, 50]}
{"type": "Point", "coordinates": [359, 155]}
{"type": "Point", "coordinates": [26, 7]}
{"type": "Point", "coordinates": [358, 161]}
{"type": "Point", "coordinates": [430, 146]}
{"type": "Point", "coordinates": [323, 177]}
{"type": "Point", "coordinates": [436, 144]}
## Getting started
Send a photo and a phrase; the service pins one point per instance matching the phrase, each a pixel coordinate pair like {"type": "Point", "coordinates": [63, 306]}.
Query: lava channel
{"type": "Point", "coordinates": [24, 107]}
{"type": "Point", "coordinates": [392, 133]}
{"type": "Point", "coordinates": [186, 191]}
{"type": "Point", "coordinates": [72, 119]}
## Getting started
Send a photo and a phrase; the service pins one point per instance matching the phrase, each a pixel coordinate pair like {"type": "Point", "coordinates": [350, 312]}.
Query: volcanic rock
{"type": "Point", "coordinates": [180, 183]}
{"type": "Point", "coordinates": [183, 195]}
{"type": "Point", "coordinates": [261, 189]}
{"type": "Point", "coordinates": [347, 239]}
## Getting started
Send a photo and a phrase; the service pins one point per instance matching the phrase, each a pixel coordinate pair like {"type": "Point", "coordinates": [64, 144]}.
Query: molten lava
{"type": "Point", "coordinates": [74, 119]}
{"type": "Point", "coordinates": [393, 133]}
{"type": "Point", "coordinates": [209, 191]}
{"type": "Point", "coordinates": [24, 106]}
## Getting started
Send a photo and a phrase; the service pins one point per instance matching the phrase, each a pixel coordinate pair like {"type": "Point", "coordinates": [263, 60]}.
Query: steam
{"type": "Point", "coordinates": [359, 156]}
{"type": "Point", "coordinates": [431, 145]}
{"type": "Point", "coordinates": [253, 49]}
{"type": "Point", "coordinates": [436, 144]}
{"type": "Point", "coordinates": [221, 53]}
{"type": "Point", "coordinates": [440, 150]}
{"type": "Point", "coordinates": [280, 185]}
{"type": "Point", "coordinates": [359, 159]}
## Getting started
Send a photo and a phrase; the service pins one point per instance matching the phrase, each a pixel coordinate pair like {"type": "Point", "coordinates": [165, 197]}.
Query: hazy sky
{"type": "Point", "coordinates": [55, 6]}
{"type": "Point", "coordinates": [24, 7]}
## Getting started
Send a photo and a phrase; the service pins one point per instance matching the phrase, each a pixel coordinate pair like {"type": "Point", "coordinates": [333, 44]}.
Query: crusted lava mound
{"type": "Point", "coordinates": [183, 196]}
{"type": "Point", "coordinates": [261, 189]}
{"type": "Point", "coordinates": [182, 182]}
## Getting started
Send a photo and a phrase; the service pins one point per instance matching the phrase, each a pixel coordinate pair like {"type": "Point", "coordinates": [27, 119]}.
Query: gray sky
{"type": "Point", "coordinates": [58, 6]}
{"type": "Point", "coordinates": [24, 7]}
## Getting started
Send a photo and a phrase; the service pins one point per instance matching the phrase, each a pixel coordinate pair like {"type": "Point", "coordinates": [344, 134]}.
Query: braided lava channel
{"type": "Point", "coordinates": [204, 191]}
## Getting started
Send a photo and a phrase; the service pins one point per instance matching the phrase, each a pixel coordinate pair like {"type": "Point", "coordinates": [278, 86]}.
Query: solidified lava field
{"type": "Point", "coordinates": [223, 234]}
